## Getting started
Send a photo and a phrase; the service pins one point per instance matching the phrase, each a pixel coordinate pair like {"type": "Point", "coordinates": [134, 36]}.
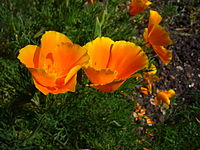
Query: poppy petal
{"type": "Point", "coordinates": [127, 58]}
{"type": "Point", "coordinates": [50, 40]}
{"type": "Point", "coordinates": [42, 77]}
{"type": "Point", "coordinates": [154, 18]}
{"type": "Point", "coordinates": [145, 35]}
{"type": "Point", "coordinates": [108, 87]}
{"type": "Point", "coordinates": [29, 56]}
{"type": "Point", "coordinates": [70, 85]}
{"type": "Point", "coordinates": [63, 55]}
{"type": "Point", "coordinates": [99, 52]}
{"type": "Point", "coordinates": [162, 96]}
{"type": "Point", "coordinates": [158, 36]}
{"type": "Point", "coordinates": [102, 76]}
{"type": "Point", "coordinates": [137, 6]}
{"type": "Point", "coordinates": [164, 54]}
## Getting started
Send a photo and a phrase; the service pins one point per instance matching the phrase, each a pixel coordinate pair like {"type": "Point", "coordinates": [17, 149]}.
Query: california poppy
{"type": "Point", "coordinates": [157, 37]}
{"type": "Point", "coordinates": [163, 97]}
{"type": "Point", "coordinates": [111, 63]}
{"type": "Point", "coordinates": [54, 65]}
{"type": "Point", "coordinates": [137, 6]}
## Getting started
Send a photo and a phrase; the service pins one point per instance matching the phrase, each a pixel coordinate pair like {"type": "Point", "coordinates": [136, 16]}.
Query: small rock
{"type": "Point", "coordinates": [179, 68]}
{"type": "Point", "coordinates": [191, 85]}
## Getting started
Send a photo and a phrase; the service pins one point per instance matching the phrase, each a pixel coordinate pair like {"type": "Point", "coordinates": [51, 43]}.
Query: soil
{"type": "Point", "coordinates": [183, 73]}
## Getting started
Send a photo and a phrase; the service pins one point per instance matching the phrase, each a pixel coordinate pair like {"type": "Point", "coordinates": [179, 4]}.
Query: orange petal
{"type": "Point", "coordinates": [69, 86]}
{"type": "Point", "coordinates": [102, 76]}
{"type": "Point", "coordinates": [29, 56]}
{"type": "Point", "coordinates": [145, 35]}
{"type": "Point", "coordinates": [137, 6]}
{"type": "Point", "coordinates": [43, 89]}
{"type": "Point", "coordinates": [127, 58]}
{"type": "Point", "coordinates": [158, 36]}
{"type": "Point", "coordinates": [99, 52]}
{"type": "Point", "coordinates": [164, 54]}
{"type": "Point", "coordinates": [43, 78]}
{"type": "Point", "coordinates": [108, 87]}
{"type": "Point", "coordinates": [144, 90]}
{"type": "Point", "coordinates": [170, 93]}
{"type": "Point", "coordinates": [161, 96]}
{"type": "Point", "coordinates": [68, 56]}
{"type": "Point", "coordinates": [49, 42]}
{"type": "Point", "coordinates": [154, 18]}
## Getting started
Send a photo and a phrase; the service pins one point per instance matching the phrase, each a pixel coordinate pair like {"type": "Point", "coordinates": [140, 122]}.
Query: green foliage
{"type": "Point", "coordinates": [87, 118]}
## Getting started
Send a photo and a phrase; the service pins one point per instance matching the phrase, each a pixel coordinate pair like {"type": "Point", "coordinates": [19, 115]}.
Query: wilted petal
{"type": "Point", "coordinates": [99, 52]}
{"type": "Point", "coordinates": [29, 56]}
{"type": "Point", "coordinates": [127, 58]}
{"type": "Point", "coordinates": [164, 54]}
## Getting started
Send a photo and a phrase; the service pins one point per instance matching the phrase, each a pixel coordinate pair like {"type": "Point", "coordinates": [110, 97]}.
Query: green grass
{"type": "Point", "coordinates": [87, 118]}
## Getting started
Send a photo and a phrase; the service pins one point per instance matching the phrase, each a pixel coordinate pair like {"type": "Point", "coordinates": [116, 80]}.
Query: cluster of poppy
{"type": "Point", "coordinates": [162, 97]}
{"type": "Point", "coordinates": [107, 64]}
{"type": "Point", "coordinates": [55, 64]}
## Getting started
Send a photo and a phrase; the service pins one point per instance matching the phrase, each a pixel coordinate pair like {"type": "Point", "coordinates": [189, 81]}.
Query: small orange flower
{"type": "Point", "coordinates": [137, 6]}
{"type": "Point", "coordinates": [149, 120]}
{"type": "Point", "coordinates": [144, 90]}
{"type": "Point", "coordinates": [111, 63]}
{"type": "Point", "coordinates": [54, 65]}
{"type": "Point", "coordinates": [164, 97]}
{"type": "Point", "coordinates": [156, 36]}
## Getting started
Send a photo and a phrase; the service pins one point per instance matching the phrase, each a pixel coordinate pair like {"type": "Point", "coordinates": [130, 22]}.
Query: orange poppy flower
{"type": "Point", "coordinates": [111, 63]}
{"type": "Point", "coordinates": [137, 6]}
{"type": "Point", "coordinates": [54, 65]}
{"type": "Point", "coordinates": [156, 36]}
{"type": "Point", "coordinates": [164, 97]}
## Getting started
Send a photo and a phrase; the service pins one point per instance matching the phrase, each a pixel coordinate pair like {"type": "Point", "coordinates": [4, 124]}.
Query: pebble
{"type": "Point", "coordinates": [179, 68]}
{"type": "Point", "coordinates": [191, 85]}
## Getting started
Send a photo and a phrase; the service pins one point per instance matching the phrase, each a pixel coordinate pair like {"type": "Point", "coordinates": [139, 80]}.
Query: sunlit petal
{"type": "Point", "coordinates": [99, 52]}
{"type": "Point", "coordinates": [127, 58]}
{"type": "Point", "coordinates": [101, 76]}
{"type": "Point", "coordinates": [29, 56]}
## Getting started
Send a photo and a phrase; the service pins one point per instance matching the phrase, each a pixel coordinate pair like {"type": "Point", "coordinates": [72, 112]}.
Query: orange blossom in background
{"type": "Point", "coordinates": [157, 37]}
{"type": "Point", "coordinates": [137, 6]}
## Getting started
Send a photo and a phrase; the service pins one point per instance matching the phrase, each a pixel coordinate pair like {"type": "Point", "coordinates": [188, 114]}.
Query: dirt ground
{"type": "Point", "coordinates": [183, 73]}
